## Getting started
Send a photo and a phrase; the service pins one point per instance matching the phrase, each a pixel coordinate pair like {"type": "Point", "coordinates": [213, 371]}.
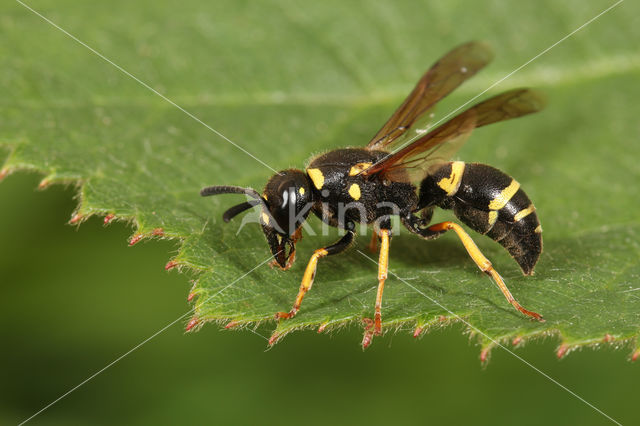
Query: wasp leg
{"type": "Point", "coordinates": [310, 271]}
{"type": "Point", "coordinates": [383, 266]}
{"type": "Point", "coordinates": [373, 245]}
{"type": "Point", "coordinates": [483, 263]}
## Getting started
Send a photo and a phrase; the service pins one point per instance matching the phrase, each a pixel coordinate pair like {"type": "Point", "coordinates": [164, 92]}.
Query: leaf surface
{"type": "Point", "coordinates": [285, 82]}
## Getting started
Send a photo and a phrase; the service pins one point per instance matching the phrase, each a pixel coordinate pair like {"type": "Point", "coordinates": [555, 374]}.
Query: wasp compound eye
{"type": "Point", "coordinates": [289, 197]}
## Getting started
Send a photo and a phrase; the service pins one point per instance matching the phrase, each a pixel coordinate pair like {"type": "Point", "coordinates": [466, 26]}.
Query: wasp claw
{"type": "Point", "coordinates": [285, 315]}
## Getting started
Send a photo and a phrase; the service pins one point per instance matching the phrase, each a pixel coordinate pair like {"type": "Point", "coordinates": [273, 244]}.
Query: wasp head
{"type": "Point", "coordinates": [289, 199]}
{"type": "Point", "coordinates": [285, 205]}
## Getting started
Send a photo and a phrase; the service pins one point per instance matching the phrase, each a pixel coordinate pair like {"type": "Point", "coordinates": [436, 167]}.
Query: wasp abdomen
{"type": "Point", "coordinates": [491, 203]}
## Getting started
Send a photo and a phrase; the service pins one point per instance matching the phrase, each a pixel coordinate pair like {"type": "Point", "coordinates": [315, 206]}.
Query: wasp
{"type": "Point", "coordinates": [407, 174]}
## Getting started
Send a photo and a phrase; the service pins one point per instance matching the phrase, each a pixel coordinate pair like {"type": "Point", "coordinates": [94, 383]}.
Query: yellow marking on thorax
{"type": "Point", "coordinates": [301, 190]}
{"type": "Point", "coordinates": [538, 229]}
{"type": "Point", "coordinates": [524, 213]}
{"type": "Point", "coordinates": [317, 177]}
{"type": "Point", "coordinates": [354, 191]}
{"type": "Point", "coordinates": [357, 168]}
{"type": "Point", "coordinates": [452, 183]}
{"type": "Point", "coordinates": [493, 217]}
{"type": "Point", "coordinates": [265, 218]}
{"type": "Point", "coordinates": [505, 195]}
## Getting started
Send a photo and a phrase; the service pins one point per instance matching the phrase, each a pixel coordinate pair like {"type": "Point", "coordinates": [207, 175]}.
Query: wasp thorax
{"type": "Point", "coordinates": [289, 199]}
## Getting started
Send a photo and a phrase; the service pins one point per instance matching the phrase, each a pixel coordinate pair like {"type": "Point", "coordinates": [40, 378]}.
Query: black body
{"type": "Point", "coordinates": [470, 198]}
{"type": "Point", "coordinates": [341, 195]}
{"type": "Point", "coordinates": [515, 225]}
{"type": "Point", "coordinates": [407, 174]}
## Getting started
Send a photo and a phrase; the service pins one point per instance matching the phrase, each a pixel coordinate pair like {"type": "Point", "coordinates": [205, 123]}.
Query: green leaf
{"type": "Point", "coordinates": [285, 81]}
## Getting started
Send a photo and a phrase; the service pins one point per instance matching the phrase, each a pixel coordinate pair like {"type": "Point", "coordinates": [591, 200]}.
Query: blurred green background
{"type": "Point", "coordinates": [74, 300]}
{"type": "Point", "coordinates": [71, 304]}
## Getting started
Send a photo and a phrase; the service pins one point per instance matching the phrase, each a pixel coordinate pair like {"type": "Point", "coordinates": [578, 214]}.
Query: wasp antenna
{"type": "Point", "coordinates": [227, 189]}
{"type": "Point", "coordinates": [237, 209]}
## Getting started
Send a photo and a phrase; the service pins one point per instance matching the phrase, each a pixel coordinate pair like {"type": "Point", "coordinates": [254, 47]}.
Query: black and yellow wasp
{"type": "Point", "coordinates": [409, 179]}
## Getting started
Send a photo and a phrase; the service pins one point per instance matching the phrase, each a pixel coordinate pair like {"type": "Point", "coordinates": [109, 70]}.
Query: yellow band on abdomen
{"type": "Point", "coordinates": [451, 184]}
{"type": "Point", "coordinates": [504, 196]}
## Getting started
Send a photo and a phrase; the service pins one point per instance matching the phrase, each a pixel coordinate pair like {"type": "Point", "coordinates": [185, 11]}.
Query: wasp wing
{"type": "Point", "coordinates": [442, 78]}
{"type": "Point", "coordinates": [414, 161]}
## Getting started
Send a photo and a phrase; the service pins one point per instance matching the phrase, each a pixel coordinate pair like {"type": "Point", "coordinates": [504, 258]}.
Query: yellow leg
{"type": "Point", "coordinates": [310, 272]}
{"type": "Point", "coordinates": [383, 265]}
{"type": "Point", "coordinates": [307, 282]}
{"type": "Point", "coordinates": [483, 263]}
{"type": "Point", "coordinates": [373, 245]}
